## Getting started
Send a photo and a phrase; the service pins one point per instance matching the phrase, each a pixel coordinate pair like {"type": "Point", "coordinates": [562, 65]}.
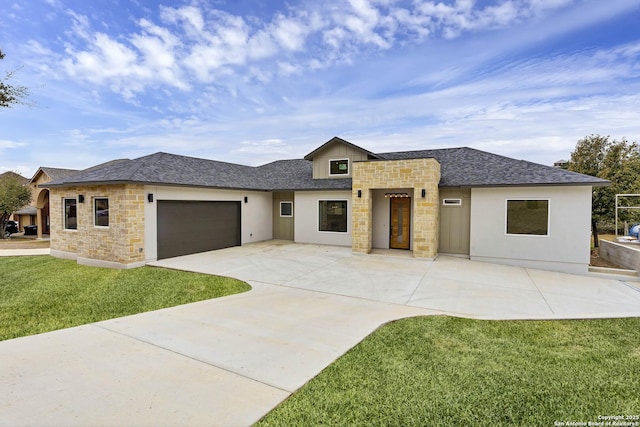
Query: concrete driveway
{"type": "Point", "coordinates": [449, 285]}
{"type": "Point", "coordinates": [228, 361]}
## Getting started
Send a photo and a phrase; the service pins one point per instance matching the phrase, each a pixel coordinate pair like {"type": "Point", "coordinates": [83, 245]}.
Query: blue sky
{"type": "Point", "coordinates": [251, 81]}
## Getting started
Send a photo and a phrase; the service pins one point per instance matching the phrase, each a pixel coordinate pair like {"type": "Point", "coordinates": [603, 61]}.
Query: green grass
{"type": "Point", "coordinates": [41, 294]}
{"type": "Point", "coordinates": [443, 371]}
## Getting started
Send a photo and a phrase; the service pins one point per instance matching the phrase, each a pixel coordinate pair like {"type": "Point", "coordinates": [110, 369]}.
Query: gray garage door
{"type": "Point", "coordinates": [189, 227]}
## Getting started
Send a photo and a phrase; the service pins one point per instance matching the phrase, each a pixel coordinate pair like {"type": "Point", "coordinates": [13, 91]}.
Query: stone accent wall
{"type": "Point", "coordinates": [416, 174]}
{"type": "Point", "coordinates": [121, 243]}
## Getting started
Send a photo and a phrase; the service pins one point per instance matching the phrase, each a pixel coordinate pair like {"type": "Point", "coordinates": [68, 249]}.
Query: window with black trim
{"type": "Point", "coordinates": [339, 167]}
{"type": "Point", "coordinates": [528, 217]}
{"type": "Point", "coordinates": [286, 209]}
{"type": "Point", "coordinates": [333, 216]}
{"type": "Point", "coordinates": [70, 214]}
{"type": "Point", "coordinates": [101, 211]}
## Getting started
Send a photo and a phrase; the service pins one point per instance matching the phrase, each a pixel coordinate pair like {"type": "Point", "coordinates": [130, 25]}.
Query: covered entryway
{"type": "Point", "coordinates": [455, 221]}
{"type": "Point", "coordinates": [42, 204]}
{"type": "Point", "coordinates": [188, 227]}
{"type": "Point", "coordinates": [417, 180]}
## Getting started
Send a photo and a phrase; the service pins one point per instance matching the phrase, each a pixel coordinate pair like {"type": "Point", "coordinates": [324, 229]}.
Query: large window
{"type": "Point", "coordinates": [70, 214]}
{"type": "Point", "coordinates": [101, 212]}
{"type": "Point", "coordinates": [530, 217]}
{"type": "Point", "coordinates": [333, 215]}
{"type": "Point", "coordinates": [339, 167]}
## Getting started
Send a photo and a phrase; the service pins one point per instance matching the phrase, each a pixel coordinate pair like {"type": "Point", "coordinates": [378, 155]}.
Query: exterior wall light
{"type": "Point", "coordinates": [359, 194]}
{"type": "Point", "coordinates": [246, 199]}
{"type": "Point", "coordinates": [150, 197]}
{"type": "Point", "coordinates": [424, 193]}
{"type": "Point", "coordinates": [80, 198]}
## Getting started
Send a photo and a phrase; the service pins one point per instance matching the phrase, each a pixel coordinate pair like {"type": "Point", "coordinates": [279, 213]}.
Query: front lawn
{"type": "Point", "coordinates": [41, 293]}
{"type": "Point", "coordinates": [444, 371]}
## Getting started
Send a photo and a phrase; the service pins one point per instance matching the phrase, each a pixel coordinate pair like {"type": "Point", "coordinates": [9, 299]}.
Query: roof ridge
{"type": "Point", "coordinates": [137, 164]}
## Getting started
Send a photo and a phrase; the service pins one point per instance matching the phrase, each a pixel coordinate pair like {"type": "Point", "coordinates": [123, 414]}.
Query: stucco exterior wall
{"type": "Point", "coordinates": [307, 218]}
{"type": "Point", "coordinates": [256, 216]}
{"type": "Point", "coordinates": [567, 246]}
{"type": "Point", "coordinates": [415, 174]}
{"type": "Point", "coordinates": [121, 244]}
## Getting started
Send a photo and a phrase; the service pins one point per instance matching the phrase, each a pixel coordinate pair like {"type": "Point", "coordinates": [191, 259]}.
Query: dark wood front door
{"type": "Point", "coordinates": [400, 223]}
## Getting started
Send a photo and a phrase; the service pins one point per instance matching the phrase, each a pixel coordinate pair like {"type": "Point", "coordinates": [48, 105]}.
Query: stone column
{"type": "Point", "coordinates": [39, 222]}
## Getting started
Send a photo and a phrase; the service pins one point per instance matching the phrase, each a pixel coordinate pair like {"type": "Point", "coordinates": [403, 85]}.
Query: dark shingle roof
{"type": "Point", "coordinates": [57, 173]}
{"type": "Point", "coordinates": [460, 167]}
{"type": "Point", "coordinates": [468, 167]}
{"type": "Point", "coordinates": [170, 169]}
{"type": "Point", "coordinates": [298, 175]}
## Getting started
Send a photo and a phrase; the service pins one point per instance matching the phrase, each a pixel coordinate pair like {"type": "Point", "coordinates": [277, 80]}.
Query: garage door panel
{"type": "Point", "coordinates": [188, 227]}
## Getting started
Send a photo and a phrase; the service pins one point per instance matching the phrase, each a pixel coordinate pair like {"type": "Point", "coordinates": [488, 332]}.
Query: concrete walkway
{"type": "Point", "coordinates": [24, 252]}
{"type": "Point", "coordinates": [228, 361]}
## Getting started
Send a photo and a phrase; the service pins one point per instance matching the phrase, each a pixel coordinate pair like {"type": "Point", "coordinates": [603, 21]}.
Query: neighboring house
{"type": "Point", "coordinates": [457, 201]}
{"type": "Point", "coordinates": [563, 164]}
{"type": "Point", "coordinates": [39, 208]}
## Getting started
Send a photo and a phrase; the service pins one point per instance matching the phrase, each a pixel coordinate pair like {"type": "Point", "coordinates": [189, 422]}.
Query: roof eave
{"type": "Point", "coordinates": [150, 183]}
{"type": "Point", "coordinates": [524, 184]}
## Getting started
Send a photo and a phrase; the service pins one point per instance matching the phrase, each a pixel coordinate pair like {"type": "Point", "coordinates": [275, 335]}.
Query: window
{"type": "Point", "coordinates": [339, 167]}
{"type": "Point", "coordinates": [101, 212]}
{"type": "Point", "coordinates": [333, 216]}
{"type": "Point", "coordinates": [452, 202]}
{"type": "Point", "coordinates": [286, 209]}
{"type": "Point", "coordinates": [530, 217]}
{"type": "Point", "coordinates": [70, 214]}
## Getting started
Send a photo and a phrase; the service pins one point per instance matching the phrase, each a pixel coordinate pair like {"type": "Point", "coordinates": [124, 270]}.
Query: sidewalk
{"type": "Point", "coordinates": [24, 252]}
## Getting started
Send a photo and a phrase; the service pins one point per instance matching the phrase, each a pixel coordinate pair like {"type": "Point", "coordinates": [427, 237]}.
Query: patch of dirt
{"type": "Point", "coordinates": [596, 261]}
{"type": "Point", "coordinates": [19, 241]}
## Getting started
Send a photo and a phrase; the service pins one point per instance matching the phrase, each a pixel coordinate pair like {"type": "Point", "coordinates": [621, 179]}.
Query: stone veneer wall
{"type": "Point", "coordinates": [413, 174]}
{"type": "Point", "coordinates": [120, 243]}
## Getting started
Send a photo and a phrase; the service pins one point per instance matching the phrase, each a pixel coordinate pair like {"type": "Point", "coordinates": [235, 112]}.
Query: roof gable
{"type": "Point", "coordinates": [335, 140]}
{"type": "Point", "coordinates": [52, 173]}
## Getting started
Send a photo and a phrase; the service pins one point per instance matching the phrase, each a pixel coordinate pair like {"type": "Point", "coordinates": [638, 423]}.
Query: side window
{"type": "Point", "coordinates": [528, 217]}
{"type": "Point", "coordinates": [101, 212]}
{"type": "Point", "coordinates": [286, 209]}
{"type": "Point", "coordinates": [70, 214]}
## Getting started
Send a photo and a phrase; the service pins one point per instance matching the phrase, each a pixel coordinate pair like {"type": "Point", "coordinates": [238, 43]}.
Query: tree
{"type": "Point", "coordinates": [11, 94]}
{"type": "Point", "coordinates": [13, 196]}
{"type": "Point", "coordinates": [616, 161]}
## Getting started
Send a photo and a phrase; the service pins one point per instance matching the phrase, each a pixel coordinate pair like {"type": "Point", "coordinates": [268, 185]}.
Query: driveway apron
{"type": "Point", "coordinates": [228, 361]}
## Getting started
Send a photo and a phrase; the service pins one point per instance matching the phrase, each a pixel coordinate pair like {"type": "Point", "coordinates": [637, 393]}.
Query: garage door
{"type": "Point", "coordinates": [189, 227]}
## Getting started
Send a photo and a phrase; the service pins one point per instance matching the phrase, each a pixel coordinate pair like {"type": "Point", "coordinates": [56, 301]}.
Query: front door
{"type": "Point", "coordinates": [400, 223]}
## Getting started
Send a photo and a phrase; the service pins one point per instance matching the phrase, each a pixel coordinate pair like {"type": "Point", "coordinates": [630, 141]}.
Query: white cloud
{"type": "Point", "coordinates": [5, 144]}
{"type": "Point", "coordinates": [213, 44]}
{"type": "Point", "coordinates": [288, 32]}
